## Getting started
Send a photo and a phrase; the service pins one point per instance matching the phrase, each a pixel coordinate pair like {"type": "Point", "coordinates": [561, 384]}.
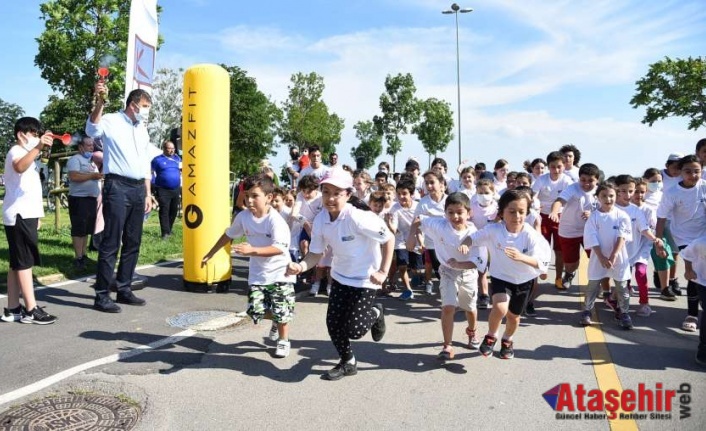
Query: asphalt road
{"type": "Point", "coordinates": [229, 379]}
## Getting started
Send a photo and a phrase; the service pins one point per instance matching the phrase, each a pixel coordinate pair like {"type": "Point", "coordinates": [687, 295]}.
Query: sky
{"type": "Point", "coordinates": [534, 74]}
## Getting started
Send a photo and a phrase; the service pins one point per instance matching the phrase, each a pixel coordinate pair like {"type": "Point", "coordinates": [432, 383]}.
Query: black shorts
{"type": "Point", "coordinates": [518, 293]}
{"type": "Point", "coordinates": [82, 212]}
{"type": "Point", "coordinates": [22, 239]}
{"type": "Point", "coordinates": [409, 259]}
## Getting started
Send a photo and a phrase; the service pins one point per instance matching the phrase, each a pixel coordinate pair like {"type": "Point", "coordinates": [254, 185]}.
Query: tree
{"type": "Point", "coordinates": [9, 114]}
{"type": "Point", "coordinates": [167, 98]}
{"type": "Point", "coordinates": [435, 128]}
{"type": "Point", "coordinates": [674, 88]}
{"type": "Point", "coordinates": [370, 146]}
{"type": "Point", "coordinates": [253, 120]}
{"type": "Point", "coordinates": [306, 120]}
{"type": "Point", "coordinates": [80, 36]}
{"type": "Point", "coordinates": [399, 109]}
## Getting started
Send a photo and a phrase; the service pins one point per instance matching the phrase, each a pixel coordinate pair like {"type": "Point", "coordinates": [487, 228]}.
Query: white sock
{"type": "Point", "coordinates": [351, 361]}
{"type": "Point", "coordinates": [377, 312]}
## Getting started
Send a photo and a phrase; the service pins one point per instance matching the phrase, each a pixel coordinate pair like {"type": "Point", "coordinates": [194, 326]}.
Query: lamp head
{"type": "Point", "coordinates": [455, 7]}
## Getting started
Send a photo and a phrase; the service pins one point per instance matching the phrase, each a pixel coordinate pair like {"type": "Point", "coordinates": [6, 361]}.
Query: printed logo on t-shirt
{"type": "Point", "coordinates": [347, 238]}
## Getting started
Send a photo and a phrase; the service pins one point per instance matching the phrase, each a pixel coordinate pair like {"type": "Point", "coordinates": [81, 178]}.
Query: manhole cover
{"type": "Point", "coordinates": [72, 413]}
{"type": "Point", "coordinates": [204, 320]}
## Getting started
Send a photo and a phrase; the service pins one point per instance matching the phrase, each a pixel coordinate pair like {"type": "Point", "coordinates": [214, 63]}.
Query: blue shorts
{"type": "Point", "coordinates": [303, 236]}
{"type": "Point", "coordinates": [409, 259]}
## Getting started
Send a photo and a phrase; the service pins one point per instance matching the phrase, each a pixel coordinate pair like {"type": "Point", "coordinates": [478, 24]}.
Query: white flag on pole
{"type": "Point", "coordinates": [141, 46]}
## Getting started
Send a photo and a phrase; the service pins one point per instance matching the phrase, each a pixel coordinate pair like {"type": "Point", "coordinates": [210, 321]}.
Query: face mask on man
{"type": "Point", "coordinates": [654, 187]}
{"type": "Point", "coordinates": [88, 155]}
{"type": "Point", "coordinates": [142, 114]}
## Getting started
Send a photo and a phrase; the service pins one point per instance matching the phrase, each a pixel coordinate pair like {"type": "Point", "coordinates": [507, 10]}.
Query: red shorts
{"type": "Point", "coordinates": [550, 231]}
{"type": "Point", "coordinates": [571, 249]}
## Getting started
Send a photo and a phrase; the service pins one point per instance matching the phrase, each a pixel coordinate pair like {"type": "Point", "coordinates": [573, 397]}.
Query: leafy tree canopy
{"type": "Point", "coordinates": [306, 119]}
{"type": "Point", "coordinates": [370, 146]}
{"type": "Point", "coordinates": [400, 111]}
{"type": "Point", "coordinates": [674, 88]}
{"type": "Point", "coordinates": [435, 127]}
{"type": "Point", "coordinates": [253, 120]}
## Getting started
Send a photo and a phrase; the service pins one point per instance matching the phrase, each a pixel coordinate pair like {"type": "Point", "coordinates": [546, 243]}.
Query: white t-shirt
{"type": "Point", "coordinates": [547, 190]}
{"type": "Point", "coordinates": [318, 173]}
{"type": "Point", "coordinates": [457, 186]}
{"type": "Point", "coordinates": [603, 229]}
{"type": "Point", "coordinates": [295, 228]}
{"type": "Point", "coordinates": [638, 224]}
{"type": "Point", "coordinates": [481, 216]}
{"type": "Point", "coordinates": [577, 201]}
{"type": "Point", "coordinates": [308, 209]}
{"type": "Point", "coordinates": [643, 252]}
{"type": "Point", "coordinates": [23, 192]}
{"type": "Point", "coordinates": [572, 173]}
{"type": "Point", "coordinates": [496, 238]}
{"type": "Point", "coordinates": [402, 219]}
{"type": "Point", "coordinates": [652, 199]}
{"type": "Point", "coordinates": [669, 182]}
{"type": "Point", "coordinates": [268, 230]}
{"type": "Point", "coordinates": [686, 209]}
{"type": "Point", "coordinates": [354, 237]}
{"type": "Point", "coordinates": [500, 186]}
{"type": "Point", "coordinates": [448, 240]}
{"type": "Point", "coordinates": [532, 218]}
{"type": "Point", "coordinates": [696, 254]}
{"type": "Point", "coordinates": [428, 207]}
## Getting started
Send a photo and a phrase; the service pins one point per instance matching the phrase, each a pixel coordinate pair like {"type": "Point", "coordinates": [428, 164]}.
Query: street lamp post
{"type": "Point", "coordinates": [456, 9]}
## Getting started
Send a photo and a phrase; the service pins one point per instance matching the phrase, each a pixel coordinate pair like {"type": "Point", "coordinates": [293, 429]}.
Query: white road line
{"type": "Point", "coordinates": [44, 383]}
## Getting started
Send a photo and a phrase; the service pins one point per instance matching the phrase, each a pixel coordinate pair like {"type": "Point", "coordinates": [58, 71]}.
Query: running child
{"type": "Point", "coordinates": [432, 204]}
{"type": "Point", "coordinates": [271, 292]}
{"type": "Point", "coordinates": [458, 283]}
{"type": "Point", "coordinates": [466, 183]}
{"type": "Point", "coordinates": [484, 210]}
{"type": "Point", "coordinates": [578, 200]}
{"type": "Point", "coordinates": [359, 267]}
{"type": "Point", "coordinates": [605, 234]}
{"type": "Point", "coordinates": [519, 254]}
{"type": "Point", "coordinates": [306, 207]}
{"type": "Point", "coordinates": [665, 269]}
{"type": "Point", "coordinates": [399, 221]}
{"type": "Point", "coordinates": [547, 188]}
{"type": "Point", "coordinates": [684, 205]}
{"type": "Point", "coordinates": [643, 238]}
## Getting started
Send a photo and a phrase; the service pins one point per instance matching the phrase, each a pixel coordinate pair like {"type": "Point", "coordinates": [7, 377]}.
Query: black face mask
{"type": "Point", "coordinates": [295, 156]}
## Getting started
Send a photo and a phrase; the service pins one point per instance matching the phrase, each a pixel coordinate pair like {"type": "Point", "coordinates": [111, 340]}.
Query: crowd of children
{"type": "Point", "coordinates": [487, 237]}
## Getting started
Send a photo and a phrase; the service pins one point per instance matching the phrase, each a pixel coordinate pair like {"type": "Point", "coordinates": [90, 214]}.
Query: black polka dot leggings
{"type": "Point", "coordinates": [350, 315]}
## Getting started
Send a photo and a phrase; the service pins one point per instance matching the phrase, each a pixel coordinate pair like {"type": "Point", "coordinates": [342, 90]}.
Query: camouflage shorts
{"type": "Point", "coordinates": [278, 298]}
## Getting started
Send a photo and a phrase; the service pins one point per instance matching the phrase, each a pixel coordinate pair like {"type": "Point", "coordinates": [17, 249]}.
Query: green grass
{"type": "Point", "coordinates": [57, 253]}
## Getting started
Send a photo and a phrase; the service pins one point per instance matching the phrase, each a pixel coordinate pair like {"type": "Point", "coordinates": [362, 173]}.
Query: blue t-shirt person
{"type": "Point", "coordinates": [167, 171]}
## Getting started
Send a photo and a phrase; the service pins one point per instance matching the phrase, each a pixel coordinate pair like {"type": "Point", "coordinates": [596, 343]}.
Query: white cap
{"type": "Point", "coordinates": [338, 178]}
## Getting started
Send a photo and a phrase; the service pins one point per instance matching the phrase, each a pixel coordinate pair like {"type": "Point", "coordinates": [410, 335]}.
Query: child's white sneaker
{"type": "Point", "coordinates": [644, 310]}
{"type": "Point", "coordinates": [274, 332]}
{"type": "Point", "coordinates": [283, 347]}
{"type": "Point", "coordinates": [314, 289]}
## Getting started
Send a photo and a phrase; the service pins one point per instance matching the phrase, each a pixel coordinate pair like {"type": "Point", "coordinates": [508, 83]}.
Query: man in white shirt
{"type": "Point", "coordinates": [127, 154]}
{"type": "Point", "coordinates": [316, 167]}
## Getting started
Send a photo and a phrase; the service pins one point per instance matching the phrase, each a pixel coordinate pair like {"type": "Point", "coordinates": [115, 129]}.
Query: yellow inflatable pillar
{"type": "Point", "coordinates": [205, 175]}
